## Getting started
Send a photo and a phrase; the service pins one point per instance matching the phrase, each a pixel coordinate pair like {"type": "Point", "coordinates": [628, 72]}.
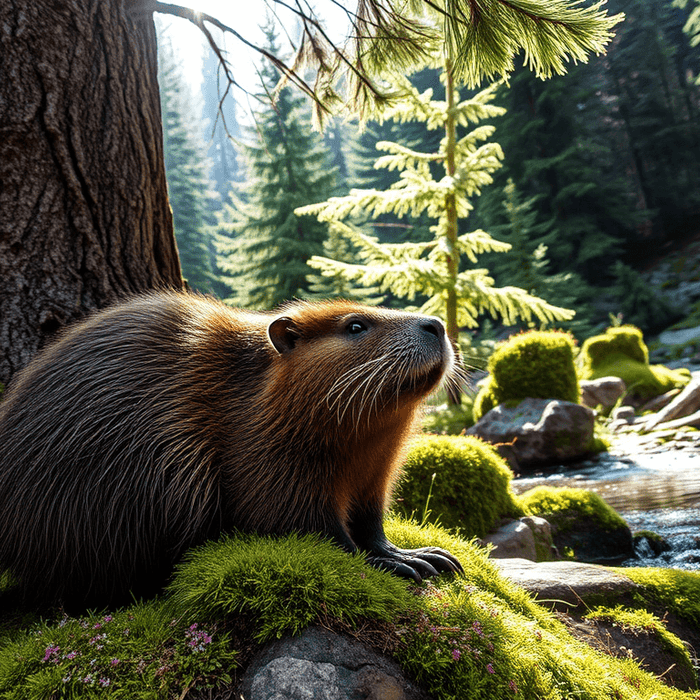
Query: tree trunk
{"type": "Point", "coordinates": [84, 214]}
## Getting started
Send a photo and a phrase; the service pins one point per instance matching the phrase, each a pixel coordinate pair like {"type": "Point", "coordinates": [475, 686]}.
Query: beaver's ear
{"type": "Point", "coordinates": [283, 334]}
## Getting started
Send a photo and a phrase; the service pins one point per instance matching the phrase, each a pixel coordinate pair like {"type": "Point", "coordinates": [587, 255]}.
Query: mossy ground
{"type": "Point", "coordinates": [471, 636]}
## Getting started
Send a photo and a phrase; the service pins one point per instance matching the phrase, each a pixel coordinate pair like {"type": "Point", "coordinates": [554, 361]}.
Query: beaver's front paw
{"type": "Point", "coordinates": [415, 564]}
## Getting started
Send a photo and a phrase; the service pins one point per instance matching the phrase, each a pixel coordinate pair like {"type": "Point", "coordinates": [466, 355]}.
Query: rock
{"type": "Point", "coordinates": [323, 665]}
{"type": "Point", "coordinates": [526, 538]}
{"type": "Point", "coordinates": [691, 421]}
{"type": "Point", "coordinates": [543, 431]}
{"type": "Point", "coordinates": [659, 402]}
{"type": "Point", "coordinates": [604, 392]}
{"type": "Point", "coordinates": [623, 413]}
{"type": "Point", "coordinates": [687, 402]}
{"type": "Point", "coordinates": [565, 583]}
{"type": "Point", "coordinates": [589, 540]}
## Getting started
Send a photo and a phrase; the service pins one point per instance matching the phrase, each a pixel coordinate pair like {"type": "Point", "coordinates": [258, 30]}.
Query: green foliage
{"type": "Point", "coordinates": [431, 268]}
{"type": "Point", "coordinates": [640, 304]}
{"type": "Point", "coordinates": [448, 418]}
{"type": "Point", "coordinates": [392, 36]}
{"type": "Point", "coordinates": [563, 506]}
{"type": "Point", "coordinates": [186, 171]}
{"type": "Point", "coordinates": [464, 469]}
{"type": "Point", "coordinates": [621, 352]}
{"type": "Point", "coordinates": [536, 364]}
{"type": "Point", "coordinates": [263, 246]}
{"type": "Point", "coordinates": [304, 575]}
{"type": "Point", "coordinates": [142, 652]}
{"type": "Point", "coordinates": [677, 591]}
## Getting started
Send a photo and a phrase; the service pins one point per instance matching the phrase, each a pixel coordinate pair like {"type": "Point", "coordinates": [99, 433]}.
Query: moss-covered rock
{"type": "Point", "coordinates": [536, 364]}
{"type": "Point", "coordinates": [445, 479]}
{"type": "Point", "coordinates": [621, 352]}
{"type": "Point", "coordinates": [581, 521]}
{"type": "Point", "coordinates": [474, 636]}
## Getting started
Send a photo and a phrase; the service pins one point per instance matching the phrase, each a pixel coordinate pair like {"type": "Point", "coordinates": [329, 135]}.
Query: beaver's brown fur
{"type": "Point", "coordinates": [164, 420]}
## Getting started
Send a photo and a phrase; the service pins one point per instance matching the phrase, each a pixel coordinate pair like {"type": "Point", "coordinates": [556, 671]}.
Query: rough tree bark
{"type": "Point", "coordinates": [84, 213]}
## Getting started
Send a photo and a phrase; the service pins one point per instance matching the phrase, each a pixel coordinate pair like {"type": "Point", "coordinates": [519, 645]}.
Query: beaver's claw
{"type": "Point", "coordinates": [415, 564]}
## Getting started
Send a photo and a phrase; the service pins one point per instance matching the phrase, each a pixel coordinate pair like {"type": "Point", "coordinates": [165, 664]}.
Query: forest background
{"type": "Point", "coordinates": [600, 178]}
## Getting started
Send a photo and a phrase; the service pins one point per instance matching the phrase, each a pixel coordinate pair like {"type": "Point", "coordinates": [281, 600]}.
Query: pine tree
{"type": "Point", "coordinates": [186, 172]}
{"type": "Point", "coordinates": [432, 268]}
{"type": "Point", "coordinates": [264, 247]}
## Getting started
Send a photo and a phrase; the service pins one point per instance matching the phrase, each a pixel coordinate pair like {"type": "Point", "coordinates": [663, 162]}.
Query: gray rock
{"type": "Point", "coordinates": [323, 665]}
{"type": "Point", "coordinates": [623, 413]}
{"type": "Point", "coordinates": [659, 402]}
{"type": "Point", "coordinates": [543, 431]}
{"type": "Point", "coordinates": [566, 583]}
{"type": "Point", "coordinates": [686, 403]}
{"type": "Point", "coordinates": [526, 538]}
{"type": "Point", "coordinates": [604, 392]}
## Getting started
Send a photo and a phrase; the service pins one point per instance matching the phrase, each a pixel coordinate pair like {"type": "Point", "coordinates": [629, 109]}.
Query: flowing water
{"type": "Point", "coordinates": [657, 491]}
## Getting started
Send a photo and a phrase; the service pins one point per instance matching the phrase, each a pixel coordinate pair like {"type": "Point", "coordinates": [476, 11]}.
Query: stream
{"type": "Point", "coordinates": [657, 491]}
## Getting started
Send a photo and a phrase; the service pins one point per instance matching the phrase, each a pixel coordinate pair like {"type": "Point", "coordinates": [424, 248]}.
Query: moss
{"type": "Point", "coordinates": [675, 590]}
{"type": "Point", "coordinates": [582, 521]}
{"type": "Point", "coordinates": [537, 364]}
{"type": "Point", "coordinates": [304, 574]}
{"type": "Point", "coordinates": [456, 472]}
{"type": "Point", "coordinates": [475, 636]}
{"type": "Point", "coordinates": [621, 352]}
{"type": "Point", "coordinates": [548, 501]}
{"type": "Point", "coordinates": [645, 621]}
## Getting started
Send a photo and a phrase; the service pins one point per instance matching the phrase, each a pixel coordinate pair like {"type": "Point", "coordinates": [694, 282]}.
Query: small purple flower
{"type": "Point", "coordinates": [489, 668]}
{"type": "Point", "coordinates": [50, 652]}
{"type": "Point", "coordinates": [104, 682]}
{"type": "Point", "coordinates": [71, 655]}
{"type": "Point", "coordinates": [97, 626]}
{"type": "Point", "coordinates": [114, 662]}
{"type": "Point", "coordinates": [107, 618]}
{"type": "Point", "coordinates": [456, 653]}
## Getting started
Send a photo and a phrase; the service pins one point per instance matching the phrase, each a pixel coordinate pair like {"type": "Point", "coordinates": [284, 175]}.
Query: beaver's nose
{"type": "Point", "coordinates": [433, 326]}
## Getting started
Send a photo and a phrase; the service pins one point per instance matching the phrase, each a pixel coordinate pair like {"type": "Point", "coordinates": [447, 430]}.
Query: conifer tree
{"type": "Point", "coordinates": [432, 268]}
{"type": "Point", "coordinates": [186, 172]}
{"type": "Point", "coordinates": [263, 246]}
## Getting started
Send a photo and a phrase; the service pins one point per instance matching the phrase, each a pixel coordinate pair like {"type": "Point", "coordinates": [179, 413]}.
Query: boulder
{"type": "Point", "coordinates": [526, 538]}
{"type": "Point", "coordinates": [543, 431]}
{"type": "Point", "coordinates": [325, 665]}
{"type": "Point", "coordinates": [566, 583]}
{"type": "Point", "coordinates": [604, 392]}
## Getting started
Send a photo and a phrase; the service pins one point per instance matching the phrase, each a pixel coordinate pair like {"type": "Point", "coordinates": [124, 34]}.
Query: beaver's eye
{"type": "Point", "coordinates": [355, 327]}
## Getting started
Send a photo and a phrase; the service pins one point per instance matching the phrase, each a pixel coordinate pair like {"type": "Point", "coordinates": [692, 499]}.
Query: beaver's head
{"type": "Point", "coordinates": [360, 360]}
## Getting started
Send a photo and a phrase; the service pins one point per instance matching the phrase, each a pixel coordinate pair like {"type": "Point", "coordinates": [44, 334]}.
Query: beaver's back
{"type": "Point", "coordinates": [110, 459]}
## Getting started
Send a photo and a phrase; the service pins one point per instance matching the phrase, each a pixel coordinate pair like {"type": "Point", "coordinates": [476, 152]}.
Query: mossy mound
{"type": "Point", "coordinates": [473, 636]}
{"type": "Point", "coordinates": [581, 522]}
{"type": "Point", "coordinates": [536, 364]}
{"type": "Point", "coordinates": [445, 478]}
{"type": "Point", "coordinates": [621, 352]}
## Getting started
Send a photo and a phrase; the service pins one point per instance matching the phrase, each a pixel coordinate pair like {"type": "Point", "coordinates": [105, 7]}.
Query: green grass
{"type": "Point", "coordinates": [473, 637]}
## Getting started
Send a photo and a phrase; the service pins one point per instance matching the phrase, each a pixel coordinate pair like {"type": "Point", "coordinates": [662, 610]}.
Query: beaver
{"type": "Point", "coordinates": [169, 418]}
